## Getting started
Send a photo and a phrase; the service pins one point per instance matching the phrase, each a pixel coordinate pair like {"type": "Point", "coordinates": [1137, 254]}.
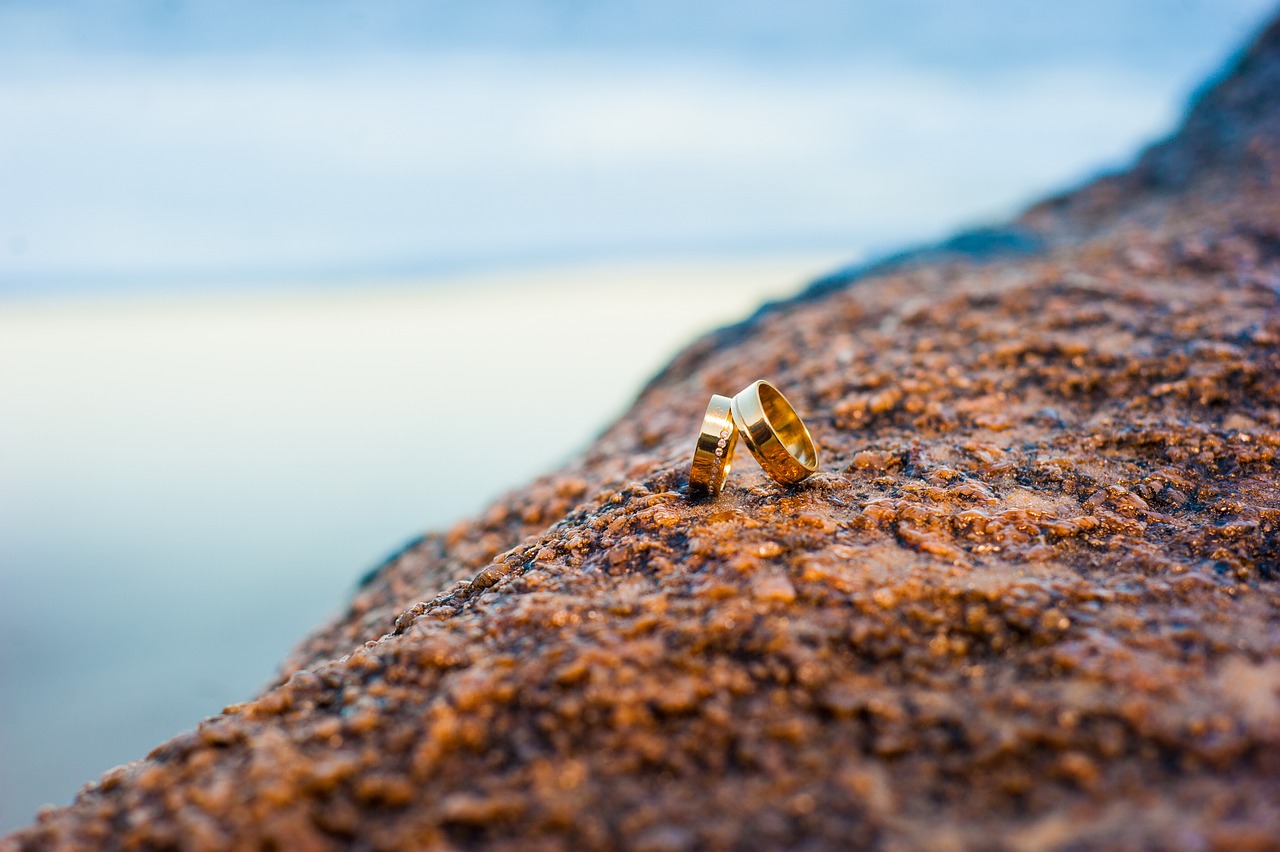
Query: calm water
{"type": "Point", "coordinates": [187, 486]}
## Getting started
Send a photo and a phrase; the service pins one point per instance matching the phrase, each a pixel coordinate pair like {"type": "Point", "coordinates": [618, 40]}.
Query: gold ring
{"type": "Point", "coordinates": [775, 434]}
{"type": "Point", "coordinates": [713, 453]}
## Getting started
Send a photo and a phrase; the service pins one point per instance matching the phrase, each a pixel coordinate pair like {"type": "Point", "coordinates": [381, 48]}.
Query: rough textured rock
{"type": "Point", "coordinates": [1032, 602]}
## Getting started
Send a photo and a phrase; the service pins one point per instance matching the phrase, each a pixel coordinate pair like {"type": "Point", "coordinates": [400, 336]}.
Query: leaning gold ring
{"type": "Point", "coordinates": [775, 434]}
{"type": "Point", "coordinates": [713, 453]}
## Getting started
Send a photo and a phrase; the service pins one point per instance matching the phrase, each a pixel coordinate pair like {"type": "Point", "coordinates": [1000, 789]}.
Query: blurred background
{"type": "Point", "coordinates": [277, 279]}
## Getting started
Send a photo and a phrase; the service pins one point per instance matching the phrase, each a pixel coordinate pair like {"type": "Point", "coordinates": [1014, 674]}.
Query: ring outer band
{"type": "Point", "coordinates": [762, 438]}
{"type": "Point", "coordinates": [719, 432]}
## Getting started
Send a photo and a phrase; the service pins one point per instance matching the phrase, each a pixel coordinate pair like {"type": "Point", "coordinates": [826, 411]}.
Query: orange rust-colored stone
{"type": "Point", "coordinates": [1033, 601]}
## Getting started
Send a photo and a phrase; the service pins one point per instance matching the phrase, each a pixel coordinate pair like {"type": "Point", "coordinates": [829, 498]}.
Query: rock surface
{"type": "Point", "coordinates": [1033, 601]}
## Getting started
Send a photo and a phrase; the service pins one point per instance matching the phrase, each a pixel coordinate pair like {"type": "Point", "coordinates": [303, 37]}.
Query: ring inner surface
{"type": "Point", "coordinates": [787, 425]}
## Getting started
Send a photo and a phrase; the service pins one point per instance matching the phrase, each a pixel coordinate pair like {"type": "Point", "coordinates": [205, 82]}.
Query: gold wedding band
{"type": "Point", "coordinates": [713, 453]}
{"type": "Point", "coordinates": [774, 433]}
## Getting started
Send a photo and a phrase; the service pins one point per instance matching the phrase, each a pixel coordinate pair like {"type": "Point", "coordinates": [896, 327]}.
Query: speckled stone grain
{"type": "Point", "coordinates": [1031, 602]}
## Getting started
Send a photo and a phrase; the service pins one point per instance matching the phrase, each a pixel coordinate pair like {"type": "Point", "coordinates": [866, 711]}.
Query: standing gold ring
{"type": "Point", "coordinates": [775, 434]}
{"type": "Point", "coordinates": [713, 453]}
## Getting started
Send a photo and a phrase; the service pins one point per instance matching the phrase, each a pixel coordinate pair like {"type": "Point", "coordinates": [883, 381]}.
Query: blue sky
{"type": "Point", "coordinates": [165, 145]}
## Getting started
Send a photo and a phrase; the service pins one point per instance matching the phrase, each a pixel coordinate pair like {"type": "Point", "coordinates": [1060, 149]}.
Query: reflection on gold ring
{"type": "Point", "coordinates": [774, 433]}
{"type": "Point", "coordinates": [713, 452]}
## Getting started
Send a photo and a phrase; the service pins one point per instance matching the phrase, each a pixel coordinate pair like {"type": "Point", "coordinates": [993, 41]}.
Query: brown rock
{"type": "Point", "coordinates": [1033, 601]}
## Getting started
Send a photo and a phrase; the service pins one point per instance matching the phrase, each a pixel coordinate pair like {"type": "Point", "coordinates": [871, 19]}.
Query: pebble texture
{"type": "Point", "coordinates": [1032, 602]}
